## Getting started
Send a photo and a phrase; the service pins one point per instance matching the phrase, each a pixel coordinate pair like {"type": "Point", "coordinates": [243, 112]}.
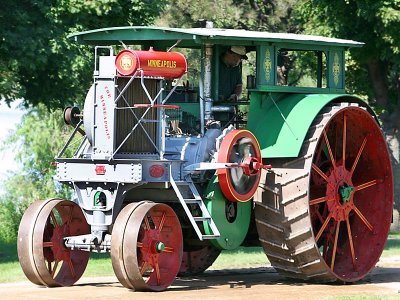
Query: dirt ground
{"type": "Point", "coordinates": [257, 283]}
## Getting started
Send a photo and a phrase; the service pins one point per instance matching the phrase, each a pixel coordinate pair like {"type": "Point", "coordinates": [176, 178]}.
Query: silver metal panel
{"type": "Point", "coordinates": [85, 172]}
{"type": "Point", "coordinates": [107, 66]}
{"type": "Point", "coordinates": [103, 127]}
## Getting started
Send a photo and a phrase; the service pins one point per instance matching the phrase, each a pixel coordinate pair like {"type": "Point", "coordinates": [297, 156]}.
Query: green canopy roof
{"type": "Point", "coordinates": [195, 37]}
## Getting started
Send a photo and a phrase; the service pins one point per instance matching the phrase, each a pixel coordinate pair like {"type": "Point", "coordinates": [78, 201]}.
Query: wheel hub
{"type": "Point", "coordinates": [59, 250]}
{"type": "Point", "coordinates": [345, 193]}
{"type": "Point", "coordinates": [340, 192]}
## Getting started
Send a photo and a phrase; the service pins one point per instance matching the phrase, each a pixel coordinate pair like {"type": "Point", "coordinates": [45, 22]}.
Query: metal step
{"type": "Point", "coordinates": [205, 215]}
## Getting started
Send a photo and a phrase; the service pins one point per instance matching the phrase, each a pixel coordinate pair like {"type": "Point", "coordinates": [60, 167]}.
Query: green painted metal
{"type": "Point", "coordinates": [336, 69]}
{"type": "Point", "coordinates": [97, 199]}
{"type": "Point", "coordinates": [266, 65]}
{"type": "Point", "coordinates": [345, 193]}
{"type": "Point", "coordinates": [160, 247]}
{"type": "Point", "coordinates": [281, 121]}
{"type": "Point", "coordinates": [233, 231]}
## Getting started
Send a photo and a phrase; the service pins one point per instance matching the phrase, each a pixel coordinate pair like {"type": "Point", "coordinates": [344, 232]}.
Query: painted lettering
{"type": "Point", "coordinates": [157, 63]}
{"type": "Point", "coordinates": [105, 116]}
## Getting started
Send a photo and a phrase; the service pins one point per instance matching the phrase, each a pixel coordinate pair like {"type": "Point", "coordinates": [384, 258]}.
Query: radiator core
{"type": "Point", "coordinates": [138, 142]}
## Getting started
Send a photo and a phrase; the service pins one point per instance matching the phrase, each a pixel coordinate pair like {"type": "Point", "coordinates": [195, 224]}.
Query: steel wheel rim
{"type": "Point", "coordinates": [24, 246]}
{"type": "Point", "coordinates": [51, 262]}
{"type": "Point", "coordinates": [351, 172]}
{"type": "Point", "coordinates": [151, 242]}
{"type": "Point", "coordinates": [235, 147]}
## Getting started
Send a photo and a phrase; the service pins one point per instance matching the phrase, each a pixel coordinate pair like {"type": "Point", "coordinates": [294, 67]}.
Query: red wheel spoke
{"type": "Point", "coordinates": [344, 140]}
{"type": "Point", "coordinates": [71, 268]}
{"type": "Point", "coordinates": [335, 245]}
{"type": "Point", "coordinates": [323, 227]}
{"type": "Point", "coordinates": [146, 222]}
{"type": "Point", "coordinates": [53, 218]}
{"type": "Point", "coordinates": [55, 268]}
{"type": "Point", "coordinates": [160, 227]}
{"type": "Point", "coordinates": [353, 255]}
{"type": "Point", "coordinates": [144, 267]}
{"type": "Point", "coordinates": [320, 217]}
{"type": "Point", "coordinates": [158, 275]}
{"type": "Point", "coordinates": [168, 250]}
{"type": "Point", "coordinates": [47, 244]}
{"type": "Point", "coordinates": [320, 200]}
{"type": "Point", "coordinates": [329, 150]}
{"type": "Point", "coordinates": [366, 185]}
{"type": "Point", "coordinates": [71, 208]}
{"type": "Point", "coordinates": [358, 156]}
{"type": "Point", "coordinates": [318, 170]}
{"type": "Point", "coordinates": [324, 252]}
{"type": "Point", "coordinates": [368, 224]}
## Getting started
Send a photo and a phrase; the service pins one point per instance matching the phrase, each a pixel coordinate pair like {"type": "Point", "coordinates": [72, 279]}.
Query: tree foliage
{"type": "Point", "coordinates": [262, 15]}
{"type": "Point", "coordinates": [376, 23]}
{"type": "Point", "coordinates": [37, 61]}
{"type": "Point", "coordinates": [36, 142]}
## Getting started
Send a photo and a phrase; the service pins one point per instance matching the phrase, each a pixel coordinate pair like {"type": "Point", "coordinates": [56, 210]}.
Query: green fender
{"type": "Point", "coordinates": [281, 121]}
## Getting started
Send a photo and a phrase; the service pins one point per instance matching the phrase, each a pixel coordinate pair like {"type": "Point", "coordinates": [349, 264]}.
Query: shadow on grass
{"type": "Point", "coordinates": [8, 252]}
{"type": "Point", "coordinates": [393, 243]}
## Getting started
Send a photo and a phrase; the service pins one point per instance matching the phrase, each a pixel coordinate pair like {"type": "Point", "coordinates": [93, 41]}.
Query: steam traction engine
{"type": "Point", "coordinates": [166, 176]}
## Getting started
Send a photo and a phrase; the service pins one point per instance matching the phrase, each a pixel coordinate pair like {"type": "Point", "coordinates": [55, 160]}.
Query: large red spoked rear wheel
{"type": "Point", "coordinates": [240, 147]}
{"type": "Point", "coordinates": [336, 200]}
{"type": "Point", "coordinates": [41, 251]}
{"type": "Point", "coordinates": [146, 246]}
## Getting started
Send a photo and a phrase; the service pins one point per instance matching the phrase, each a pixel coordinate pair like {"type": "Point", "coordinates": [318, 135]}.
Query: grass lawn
{"type": "Point", "coordinates": [100, 264]}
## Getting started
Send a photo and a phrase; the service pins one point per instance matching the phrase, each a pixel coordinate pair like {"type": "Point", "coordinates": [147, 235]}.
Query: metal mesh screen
{"type": "Point", "coordinates": [138, 142]}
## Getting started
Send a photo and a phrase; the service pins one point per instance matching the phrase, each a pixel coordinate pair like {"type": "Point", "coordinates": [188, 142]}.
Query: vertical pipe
{"type": "Point", "coordinates": [207, 82]}
{"type": "Point", "coordinates": [319, 69]}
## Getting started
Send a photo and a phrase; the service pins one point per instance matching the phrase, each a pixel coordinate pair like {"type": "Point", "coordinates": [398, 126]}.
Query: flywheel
{"type": "Point", "coordinates": [325, 215]}
{"type": "Point", "coordinates": [240, 183]}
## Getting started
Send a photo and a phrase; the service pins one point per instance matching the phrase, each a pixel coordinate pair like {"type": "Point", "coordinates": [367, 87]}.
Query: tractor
{"type": "Point", "coordinates": [167, 174]}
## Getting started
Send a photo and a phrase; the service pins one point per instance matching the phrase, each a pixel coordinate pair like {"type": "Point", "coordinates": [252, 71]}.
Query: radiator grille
{"type": "Point", "coordinates": [138, 142]}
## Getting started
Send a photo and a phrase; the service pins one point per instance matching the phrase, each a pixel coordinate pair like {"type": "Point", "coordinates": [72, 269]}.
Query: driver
{"type": "Point", "coordinates": [230, 73]}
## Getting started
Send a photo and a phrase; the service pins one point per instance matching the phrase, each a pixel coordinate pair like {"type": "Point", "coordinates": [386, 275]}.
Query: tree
{"type": "Point", "coordinates": [36, 141]}
{"type": "Point", "coordinates": [37, 61]}
{"type": "Point", "coordinates": [376, 23]}
{"type": "Point", "coordinates": [373, 70]}
{"type": "Point", "coordinates": [262, 15]}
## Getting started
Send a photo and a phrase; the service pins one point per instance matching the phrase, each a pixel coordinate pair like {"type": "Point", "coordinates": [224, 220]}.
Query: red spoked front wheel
{"type": "Point", "coordinates": [43, 256]}
{"type": "Point", "coordinates": [146, 246]}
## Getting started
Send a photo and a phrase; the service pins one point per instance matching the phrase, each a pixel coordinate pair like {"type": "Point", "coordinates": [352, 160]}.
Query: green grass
{"type": "Point", "coordinates": [100, 264]}
{"type": "Point", "coordinates": [240, 258]}
{"type": "Point", "coordinates": [392, 247]}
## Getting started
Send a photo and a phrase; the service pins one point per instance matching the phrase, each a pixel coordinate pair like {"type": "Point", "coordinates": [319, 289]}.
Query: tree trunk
{"type": "Point", "coordinates": [378, 72]}
{"type": "Point", "coordinates": [393, 141]}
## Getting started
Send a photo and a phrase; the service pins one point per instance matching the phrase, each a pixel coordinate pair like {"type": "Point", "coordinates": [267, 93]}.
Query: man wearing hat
{"type": "Point", "coordinates": [230, 73]}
